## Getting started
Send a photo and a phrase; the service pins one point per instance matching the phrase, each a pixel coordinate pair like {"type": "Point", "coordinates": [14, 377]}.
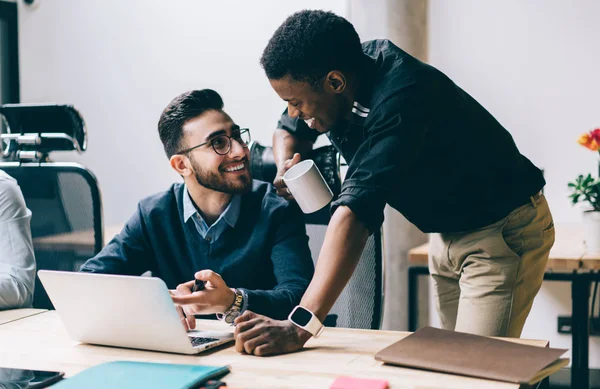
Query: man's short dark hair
{"type": "Point", "coordinates": [309, 44]}
{"type": "Point", "coordinates": [184, 107]}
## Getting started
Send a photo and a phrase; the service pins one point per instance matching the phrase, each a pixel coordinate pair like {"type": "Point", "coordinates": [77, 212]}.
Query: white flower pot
{"type": "Point", "coordinates": [591, 231]}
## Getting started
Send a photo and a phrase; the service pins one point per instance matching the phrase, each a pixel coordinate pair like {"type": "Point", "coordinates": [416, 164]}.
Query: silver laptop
{"type": "Point", "coordinates": [123, 311]}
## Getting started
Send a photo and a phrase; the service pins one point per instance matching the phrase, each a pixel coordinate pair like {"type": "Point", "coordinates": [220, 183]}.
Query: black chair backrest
{"type": "Point", "coordinates": [64, 198]}
{"type": "Point", "coordinates": [43, 128]}
{"type": "Point", "coordinates": [360, 303]}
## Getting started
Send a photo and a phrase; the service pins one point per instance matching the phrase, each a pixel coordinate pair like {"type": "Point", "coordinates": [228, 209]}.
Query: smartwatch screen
{"type": "Point", "coordinates": [301, 316]}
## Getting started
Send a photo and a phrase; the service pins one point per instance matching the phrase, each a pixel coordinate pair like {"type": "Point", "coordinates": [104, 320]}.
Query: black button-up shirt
{"type": "Point", "coordinates": [421, 144]}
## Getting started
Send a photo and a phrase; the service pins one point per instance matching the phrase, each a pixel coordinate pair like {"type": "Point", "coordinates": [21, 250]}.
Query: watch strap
{"type": "Point", "coordinates": [314, 325]}
{"type": "Point", "coordinates": [235, 309]}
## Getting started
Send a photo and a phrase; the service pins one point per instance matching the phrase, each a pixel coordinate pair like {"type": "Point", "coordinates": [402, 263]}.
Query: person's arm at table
{"type": "Point", "coordinates": [379, 168]}
{"type": "Point", "coordinates": [17, 260]}
{"type": "Point", "coordinates": [344, 242]}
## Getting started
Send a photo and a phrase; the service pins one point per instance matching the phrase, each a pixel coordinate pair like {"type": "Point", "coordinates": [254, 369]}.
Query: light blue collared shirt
{"type": "Point", "coordinates": [228, 218]}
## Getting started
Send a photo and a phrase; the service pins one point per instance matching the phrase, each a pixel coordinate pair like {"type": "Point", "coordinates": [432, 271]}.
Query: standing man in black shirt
{"type": "Point", "coordinates": [418, 142]}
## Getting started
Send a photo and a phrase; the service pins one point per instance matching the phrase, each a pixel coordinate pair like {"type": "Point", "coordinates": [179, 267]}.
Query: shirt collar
{"type": "Point", "coordinates": [189, 209]}
{"type": "Point", "coordinates": [362, 101]}
{"type": "Point", "coordinates": [230, 215]}
{"type": "Point", "coordinates": [232, 212]}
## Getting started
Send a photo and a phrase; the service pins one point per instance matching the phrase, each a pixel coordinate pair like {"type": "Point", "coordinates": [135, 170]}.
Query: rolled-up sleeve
{"type": "Point", "coordinates": [378, 170]}
{"type": "Point", "coordinates": [292, 266]}
{"type": "Point", "coordinates": [297, 127]}
{"type": "Point", "coordinates": [17, 260]}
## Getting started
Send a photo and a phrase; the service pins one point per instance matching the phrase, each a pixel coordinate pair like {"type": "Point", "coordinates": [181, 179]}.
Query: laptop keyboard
{"type": "Point", "coordinates": [199, 341]}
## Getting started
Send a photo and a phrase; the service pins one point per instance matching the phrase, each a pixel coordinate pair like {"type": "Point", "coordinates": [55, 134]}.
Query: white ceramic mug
{"type": "Point", "coordinates": [308, 186]}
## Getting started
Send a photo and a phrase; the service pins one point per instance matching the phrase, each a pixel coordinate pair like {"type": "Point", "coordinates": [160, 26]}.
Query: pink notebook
{"type": "Point", "coordinates": [358, 383]}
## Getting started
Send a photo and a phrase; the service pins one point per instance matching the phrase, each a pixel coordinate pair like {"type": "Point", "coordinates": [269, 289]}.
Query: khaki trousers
{"type": "Point", "coordinates": [485, 280]}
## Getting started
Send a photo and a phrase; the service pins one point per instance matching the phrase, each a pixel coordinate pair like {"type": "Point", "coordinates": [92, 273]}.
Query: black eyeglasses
{"type": "Point", "coordinates": [222, 144]}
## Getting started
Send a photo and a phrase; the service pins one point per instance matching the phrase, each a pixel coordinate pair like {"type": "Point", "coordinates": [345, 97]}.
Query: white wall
{"type": "Point", "coordinates": [534, 65]}
{"type": "Point", "coordinates": [121, 62]}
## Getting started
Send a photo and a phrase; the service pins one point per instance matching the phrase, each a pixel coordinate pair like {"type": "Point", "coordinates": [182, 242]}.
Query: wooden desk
{"type": "Point", "coordinates": [75, 241]}
{"type": "Point", "coordinates": [41, 342]}
{"type": "Point", "coordinates": [568, 261]}
{"type": "Point", "coordinates": [16, 314]}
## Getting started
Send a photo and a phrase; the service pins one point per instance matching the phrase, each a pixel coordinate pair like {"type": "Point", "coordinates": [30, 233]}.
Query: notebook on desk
{"type": "Point", "coordinates": [128, 374]}
{"type": "Point", "coordinates": [471, 355]}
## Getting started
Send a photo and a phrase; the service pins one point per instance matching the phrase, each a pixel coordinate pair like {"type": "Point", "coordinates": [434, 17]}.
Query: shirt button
{"type": "Point", "coordinates": [208, 239]}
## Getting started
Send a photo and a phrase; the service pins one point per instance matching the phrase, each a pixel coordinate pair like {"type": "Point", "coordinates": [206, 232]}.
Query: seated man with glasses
{"type": "Point", "coordinates": [219, 226]}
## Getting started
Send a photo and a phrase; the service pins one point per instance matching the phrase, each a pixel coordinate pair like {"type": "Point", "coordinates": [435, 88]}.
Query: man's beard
{"type": "Point", "coordinates": [215, 181]}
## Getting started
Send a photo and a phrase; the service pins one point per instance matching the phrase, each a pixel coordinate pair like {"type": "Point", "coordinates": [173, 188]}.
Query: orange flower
{"type": "Point", "coordinates": [591, 140]}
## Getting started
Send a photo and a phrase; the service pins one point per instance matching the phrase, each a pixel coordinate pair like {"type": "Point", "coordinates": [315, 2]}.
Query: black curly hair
{"type": "Point", "coordinates": [184, 107]}
{"type": "Point", "coordinates": [309, 44]}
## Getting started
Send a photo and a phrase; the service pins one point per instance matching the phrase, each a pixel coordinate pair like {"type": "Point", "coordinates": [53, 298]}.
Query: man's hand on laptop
{"type": "Point", "coordinates": [216, 297]}
{"type": "Point", "coordinates": [188, 320]}
{"type": "Point", "coordinates": [261, 335]}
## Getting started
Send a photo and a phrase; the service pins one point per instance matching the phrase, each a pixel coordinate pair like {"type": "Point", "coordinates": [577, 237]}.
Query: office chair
{"type": "Point", "coordinates": [64, 198]}
{"type": "Point", "coordinates": [360, 303]}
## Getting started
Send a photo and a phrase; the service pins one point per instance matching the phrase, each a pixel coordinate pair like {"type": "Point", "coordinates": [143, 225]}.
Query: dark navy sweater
{"type": "Point", "coordinates": [266, 253]}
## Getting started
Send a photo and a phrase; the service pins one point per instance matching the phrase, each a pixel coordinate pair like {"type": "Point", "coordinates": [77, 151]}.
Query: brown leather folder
{"type": "Point", "coordinates": [471, 355]}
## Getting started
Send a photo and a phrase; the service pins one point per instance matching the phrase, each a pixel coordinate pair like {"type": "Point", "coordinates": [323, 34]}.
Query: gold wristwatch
{"type": "Point", "coordinates": [234, 310]}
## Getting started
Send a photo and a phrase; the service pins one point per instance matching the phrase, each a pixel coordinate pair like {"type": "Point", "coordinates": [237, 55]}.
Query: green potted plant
{"type": "Point", "coordinates": [586, 190]}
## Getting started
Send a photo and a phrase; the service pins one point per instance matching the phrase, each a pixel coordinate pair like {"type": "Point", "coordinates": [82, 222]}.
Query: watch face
{"type": "Point", "coordinates": [301, 316]}
{"type": "Point", "coordinates": [231, 316]}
